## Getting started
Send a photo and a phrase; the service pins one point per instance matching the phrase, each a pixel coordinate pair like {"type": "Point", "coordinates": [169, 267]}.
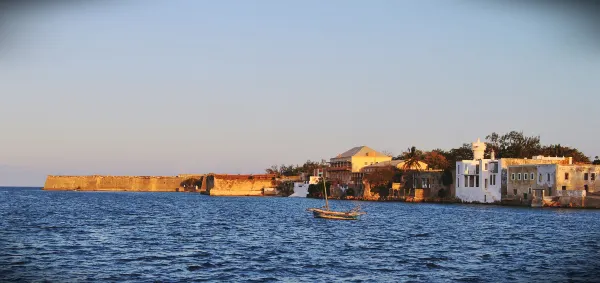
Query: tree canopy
{"type": "Point", "coordinates": [295, 170]}
{"type": "Point", "coordinates": [513, 144]}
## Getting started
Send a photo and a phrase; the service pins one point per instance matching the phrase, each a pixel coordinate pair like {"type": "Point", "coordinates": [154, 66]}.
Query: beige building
{"type": "Point", "coordinates": [506, 163]}
{"type": "Point", "coordinates": [345, 168]}
{"type": "Point", "coordinates": [551, 179]}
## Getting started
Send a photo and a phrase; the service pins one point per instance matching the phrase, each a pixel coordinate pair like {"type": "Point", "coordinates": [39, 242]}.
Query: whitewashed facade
{"type": "Point", "coordinates": [478, 180]}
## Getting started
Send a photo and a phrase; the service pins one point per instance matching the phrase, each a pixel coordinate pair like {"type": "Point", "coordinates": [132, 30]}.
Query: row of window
{"type": "Point", "coordinates": [473, 181]}
{"type": "Point", "coordinates": [530, 176]}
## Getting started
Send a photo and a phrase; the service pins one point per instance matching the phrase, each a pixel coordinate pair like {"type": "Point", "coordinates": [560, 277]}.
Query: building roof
{"type": "Point", "coordinates": [360, 151]}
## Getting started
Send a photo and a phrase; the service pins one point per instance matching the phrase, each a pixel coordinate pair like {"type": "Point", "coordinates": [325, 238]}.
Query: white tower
{"type": "Point", "coordinates": [478, 150]}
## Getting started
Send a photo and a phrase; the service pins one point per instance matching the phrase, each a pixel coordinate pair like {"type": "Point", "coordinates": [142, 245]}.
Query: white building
{"type": "Point", "coordinates": [485, 180]}
{"type": "Point", "coordinates": [301, 188]}
{"type": "Point", "coordinates": [478, 180]}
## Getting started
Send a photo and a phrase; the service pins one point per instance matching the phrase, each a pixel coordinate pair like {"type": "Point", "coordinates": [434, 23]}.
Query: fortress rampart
{"type": "Point", "coordinates": [237, 185]}
{"type": "Point", "coordinates": [114, 183]}
{"type": "Point", "coordinates": [211, 184]}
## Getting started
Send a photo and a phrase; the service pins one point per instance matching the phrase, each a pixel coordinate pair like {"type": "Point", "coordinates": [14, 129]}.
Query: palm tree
{"type": "Point", "coordinates": [412, 163]}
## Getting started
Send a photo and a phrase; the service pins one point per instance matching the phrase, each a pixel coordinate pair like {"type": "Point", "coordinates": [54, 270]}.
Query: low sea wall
{"type": "Point", "coordinates": [114, 183]}
{"type": "Point", "coordinates": [237, 185]}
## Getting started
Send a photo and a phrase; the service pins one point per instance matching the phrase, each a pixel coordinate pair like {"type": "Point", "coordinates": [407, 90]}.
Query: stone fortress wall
{"type": "Point", "coordinates": [211, 184]}
{"type": "Point", "coordinates": [237, 185]}
{"type": "Point", "coordinates": [114, 183]}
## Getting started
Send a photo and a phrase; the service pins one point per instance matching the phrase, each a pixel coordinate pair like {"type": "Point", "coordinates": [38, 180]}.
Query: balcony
{"type": "Point", "coordinates": [339, 168]}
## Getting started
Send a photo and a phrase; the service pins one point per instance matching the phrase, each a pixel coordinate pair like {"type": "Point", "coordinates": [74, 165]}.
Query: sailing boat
{"type": "Point", "coordinates": [327, 213]}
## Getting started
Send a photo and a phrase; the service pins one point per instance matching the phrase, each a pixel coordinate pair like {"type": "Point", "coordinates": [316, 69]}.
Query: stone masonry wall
{"type": "Point", "coordinates": [114, 183]}
{"type": "Point", "coordinates": [238, 185]}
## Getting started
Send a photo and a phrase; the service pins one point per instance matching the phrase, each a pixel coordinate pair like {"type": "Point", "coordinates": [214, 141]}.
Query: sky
{"type": "Point", "coordinates": [154, 87]}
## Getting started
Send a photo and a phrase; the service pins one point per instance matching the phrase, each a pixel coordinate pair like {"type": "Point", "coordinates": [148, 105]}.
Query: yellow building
{"type": "Point", "coordinates": [345, 168]}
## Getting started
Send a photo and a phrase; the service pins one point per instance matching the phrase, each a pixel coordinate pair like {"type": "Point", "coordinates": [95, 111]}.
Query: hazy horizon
{"type": "Point", "coordinates": [170, 87]}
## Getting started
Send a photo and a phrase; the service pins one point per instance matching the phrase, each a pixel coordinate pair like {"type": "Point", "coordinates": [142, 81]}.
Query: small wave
{"type": "Point", "coordinates": [420, 235]}
{"type": "Point", "coordinates": [313, 266]}
{"type": "Point", "coordinates": [264, 279]}
{"type": "Point", "coordinates": [432, 265]}
{"type": "Point", "coordinates": [468, 279]}
{"type": "Point", "coordinates": [146, 258]}
{"type": "Point", "coordinates": [433, 258]}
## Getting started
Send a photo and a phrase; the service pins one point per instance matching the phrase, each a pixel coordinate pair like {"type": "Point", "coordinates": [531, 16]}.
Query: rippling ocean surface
{"type": "Point", "coordinates": [186, 237]}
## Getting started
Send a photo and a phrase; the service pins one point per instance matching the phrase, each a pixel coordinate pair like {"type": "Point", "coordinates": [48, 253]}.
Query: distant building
{"type": "Point", "coordinates": [485, 180]}
{"type": "Point", "coordinates": [478, 179]}
{"type": "Point", "coordinates": [345, 168]}
{"type": "Point", "coordinates": [552, 180]}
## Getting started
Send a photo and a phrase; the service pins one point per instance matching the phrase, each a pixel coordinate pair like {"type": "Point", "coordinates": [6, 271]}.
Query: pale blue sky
{"type": "Point", "coordinates": [185, 86]}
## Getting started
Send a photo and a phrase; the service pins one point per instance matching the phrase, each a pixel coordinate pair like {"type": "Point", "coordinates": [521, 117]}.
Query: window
{"type": "Point", "coordinates": [529, 190]}
{"type": "Point", "coordinates": [585, 176]}
{"type": "Point", "coordinates": [466, 181]}
{"type": "Point", "coordinates": [485, 167]}
{"type": "Point", "coordinates": [531, 176]}
{"type": "Point", "coordinates": [486, 183]}
{"type": "Point", "coordinates": [566, 176]}
{"type": "Point", "coordinates": [458, 168]}
{"type": "Point", "coordinates": [477, 169]}
{"type": "Point", "coordinates": [564, 188]}
{"type": "Point", "coordinates": [548, 177]}
{"type": "Point", "coordinates": [515, 192]}
{"type": "Point", "coordinates": [494, 180]}
{"type": "Point", "coordinates": [512, 176]}
{"type": "Point", "coordinates": [593, 177]}
{"type": "Point", "coordinates": [519, 176]}
{"type": "Point", "coordinates": [477, 181]}
{"type": "Point", "coordinates": [585, 188]}
{"type": "Point", "coordinates": [525, 195]}
{"type": "Point", "coordinates": [525, 176]}
{"type": "Point", "coordinates": [458, 182]}
{"type": "Point", "coordinates": [540, 178]}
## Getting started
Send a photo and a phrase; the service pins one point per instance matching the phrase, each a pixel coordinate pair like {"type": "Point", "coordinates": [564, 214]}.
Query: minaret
{"type": "Point", "coordinates": [478, 150]}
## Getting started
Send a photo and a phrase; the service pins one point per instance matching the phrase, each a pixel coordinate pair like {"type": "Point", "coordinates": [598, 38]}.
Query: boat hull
{"type": "Point", "coordinates": [335, 215]}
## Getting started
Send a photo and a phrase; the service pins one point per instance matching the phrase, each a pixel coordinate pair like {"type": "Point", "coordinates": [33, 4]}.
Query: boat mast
{"type": "Point", "coordinates": [325, 191]}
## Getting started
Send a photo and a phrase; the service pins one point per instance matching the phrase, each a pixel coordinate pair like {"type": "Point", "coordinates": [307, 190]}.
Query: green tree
{"type": "Point", "coordinates": [381, 177]}
{"type": "Point", "coordinates": [596, 160]}
{"type": "Point", "coordinates": [513, 145]}
{"type": "Point", "coordinates": [447, 178]}
{"type": "Point", "coordinates": [436, 160]}
{"type": "Point", "coordinates": [316, 190]}
{"type": "Point", "coordinates": [285, 188]}
{"type": "Point", "coordinates": [192, 183]}
{"type": "Point", "coordinates": [382, 190]}
{"type": "Point", "coordinates": [457, 154]}
{"type": "Point", "coordinates": [559, 150]}
{"type": "Point", "coordinates": [412, 163]}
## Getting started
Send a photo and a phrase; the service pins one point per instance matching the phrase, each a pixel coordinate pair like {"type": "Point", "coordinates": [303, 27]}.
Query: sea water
{"type": "Point", "coordinates": [187, 237]}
